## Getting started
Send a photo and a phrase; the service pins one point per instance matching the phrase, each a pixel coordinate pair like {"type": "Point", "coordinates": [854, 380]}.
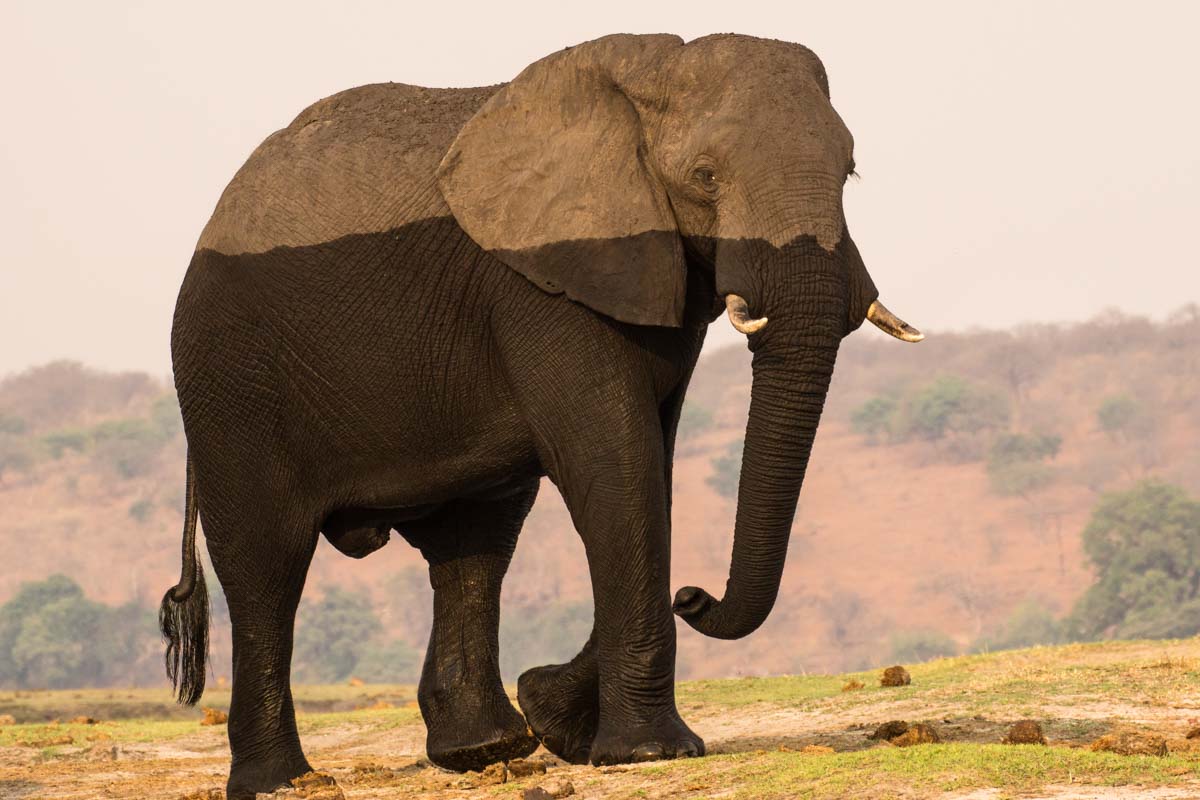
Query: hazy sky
{"type": "Point", "coordinates": [1020, 161]}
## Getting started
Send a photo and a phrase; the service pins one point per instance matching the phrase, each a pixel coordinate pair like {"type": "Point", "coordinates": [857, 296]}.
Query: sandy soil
{"type": "Point", "coordinates": [371, 764]}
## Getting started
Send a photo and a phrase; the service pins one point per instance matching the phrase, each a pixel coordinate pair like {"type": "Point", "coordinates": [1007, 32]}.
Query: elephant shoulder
{"type": "Point", "coordinates": [361, 161]}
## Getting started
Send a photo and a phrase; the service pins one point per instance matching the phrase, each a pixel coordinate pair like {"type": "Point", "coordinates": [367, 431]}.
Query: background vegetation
{"type": "Point", "coordinates": [1062, 451]}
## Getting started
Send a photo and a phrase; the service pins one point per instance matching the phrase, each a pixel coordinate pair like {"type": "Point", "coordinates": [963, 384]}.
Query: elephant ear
{"type": "Point", "coordinates": [550, 177]}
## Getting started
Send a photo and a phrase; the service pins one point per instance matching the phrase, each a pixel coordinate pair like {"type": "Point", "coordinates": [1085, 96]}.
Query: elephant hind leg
{"type": "Point", "coordinates": [468, 544]}
{"type": "Point", "coordinates": [262, 559]}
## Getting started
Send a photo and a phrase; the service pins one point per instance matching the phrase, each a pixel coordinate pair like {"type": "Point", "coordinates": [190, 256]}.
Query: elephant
{"type": "Point", "coordinates": [411, 305]}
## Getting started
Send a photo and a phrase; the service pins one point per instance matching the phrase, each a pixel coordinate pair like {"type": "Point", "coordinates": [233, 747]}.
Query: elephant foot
{"type": "Point", "coordinates": [248, 779]}
{"type": "Point", "coordinates": [469, 741]}
{"type": "Point", "coordinates": [670, 738]}
{"type": "Point", "coordinates": [562, 705]}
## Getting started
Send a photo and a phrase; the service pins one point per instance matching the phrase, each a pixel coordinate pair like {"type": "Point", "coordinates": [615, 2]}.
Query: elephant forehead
{"type": "Point", "coordinates": [362, 161]}
{"type": "Point", "coordinates": [733, 60]}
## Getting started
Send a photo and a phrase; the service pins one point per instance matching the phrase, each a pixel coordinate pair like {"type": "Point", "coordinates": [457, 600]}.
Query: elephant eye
{"type": "Point", "coordinates": [706, 178]}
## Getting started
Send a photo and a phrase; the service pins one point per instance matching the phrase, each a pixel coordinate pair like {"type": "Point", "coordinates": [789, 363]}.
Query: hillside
{"type": "Point", "coordinates": [904, 527]}
{"type": "Point", "coordinates": [767, 739]}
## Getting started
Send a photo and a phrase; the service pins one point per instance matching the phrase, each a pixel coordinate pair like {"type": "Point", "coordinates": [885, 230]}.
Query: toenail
{"type": "Point", "coordinates": [648, 752]}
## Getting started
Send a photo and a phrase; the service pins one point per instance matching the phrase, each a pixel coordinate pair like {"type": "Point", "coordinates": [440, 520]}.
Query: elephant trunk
{"type": "Point", "coordinates": [792, 369]}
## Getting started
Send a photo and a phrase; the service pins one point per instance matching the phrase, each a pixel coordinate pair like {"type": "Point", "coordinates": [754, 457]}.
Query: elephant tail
{"type": "Point", "coordinates": [183, 615]}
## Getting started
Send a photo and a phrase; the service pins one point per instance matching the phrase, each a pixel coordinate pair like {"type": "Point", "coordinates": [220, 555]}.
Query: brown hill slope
{"type": "Point", "coordinates": [896, 532]}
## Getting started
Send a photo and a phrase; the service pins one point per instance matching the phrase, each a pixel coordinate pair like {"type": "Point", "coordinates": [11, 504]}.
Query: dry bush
{"type": "Point", "coordinates": [61, 391]}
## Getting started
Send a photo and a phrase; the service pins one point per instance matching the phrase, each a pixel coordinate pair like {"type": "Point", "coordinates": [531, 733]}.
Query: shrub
{"type": "Point", "coordinates": [727, 472]}
{"type": "Point", "coordinates": [10, 423]}
{"type": "Point", "coordinates": [1144, 545]}
{"type": "Point", "coordinates": [946, 407]}
{"type": "Point", "coordinates": [59, 442]}
{"type": "Point", "coordinates": [51, 394]}
{"type": "Point", "coordinates": [921, 645]}
{"type": "Point", "coordinates": [1016, 462]}
{"type": "Point", "coordinates": [873, 419]}
{"type": "Point", "coordinates": [1029, 624]}
{"type": "Point", "coordinates": [127, 446]}
{"type": "Point", "coordinates": [15, 454]}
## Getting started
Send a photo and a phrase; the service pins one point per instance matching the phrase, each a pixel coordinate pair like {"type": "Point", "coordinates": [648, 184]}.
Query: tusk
{"type": "Point", "coordinates": [739, 315]}
{"type": "Point", "coordinates": [890, 324]}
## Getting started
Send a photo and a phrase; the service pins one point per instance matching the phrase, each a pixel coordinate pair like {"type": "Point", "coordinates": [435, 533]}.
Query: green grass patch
{"type": "Point", "coordinates": [889, 771]}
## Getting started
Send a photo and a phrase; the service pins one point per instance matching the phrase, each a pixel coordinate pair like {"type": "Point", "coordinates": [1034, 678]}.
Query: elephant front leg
{"type": "Point", "coordinates": [562, 704]}
{"type": "Point", "coordinates": [625, 530]}
{"type": "Point", "coordinates": [471, 722]}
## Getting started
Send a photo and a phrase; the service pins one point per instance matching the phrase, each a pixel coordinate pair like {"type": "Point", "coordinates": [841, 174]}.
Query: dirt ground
{"type": "Point", "coordinates": [801, 737]}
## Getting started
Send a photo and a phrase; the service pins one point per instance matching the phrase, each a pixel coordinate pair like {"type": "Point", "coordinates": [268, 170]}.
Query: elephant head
{"type": "Point", "coordinates": [607, 170]}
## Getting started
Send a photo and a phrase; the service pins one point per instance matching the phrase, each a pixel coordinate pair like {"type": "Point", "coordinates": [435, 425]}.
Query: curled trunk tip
{"type": "Point", "coordinates": [702, 611]}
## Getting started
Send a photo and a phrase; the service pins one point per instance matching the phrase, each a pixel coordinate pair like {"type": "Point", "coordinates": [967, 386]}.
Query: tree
{"type": "Point", "coordinates": [1029, 624]}
{"type": "Point", "coordinates": [950, 404]}
{"type": "Point", "coordinates": [874, 418]}
{"type": "Point", "coordinates": [1121, 415]}
{"type": "Point", "coordinates": [1016, 462]}
{"type": "Point", "coordinates": [28, 600]}
{"type": "Point", "coordinates": [921, 645]}
{"type": "Point", "coordinates": [52, 636]}
{"type": "Point", "coordinates": [1144, 544]}
{"type": "Point", "coordinates": [332, 634]}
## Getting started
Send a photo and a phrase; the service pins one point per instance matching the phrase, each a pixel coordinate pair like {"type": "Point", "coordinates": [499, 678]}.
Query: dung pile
{"type": "Point", "coordinates": [895, 676]}
{"type": "Point", "coordinates": [1026, 731]}
{"type": "Point", "coordinates": [903, 734]}
{"type": "Point", "coordinates": [1131, 743]}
